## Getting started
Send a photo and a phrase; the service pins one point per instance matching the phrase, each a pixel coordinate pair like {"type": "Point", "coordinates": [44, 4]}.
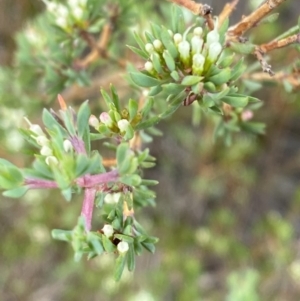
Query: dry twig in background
{"type": "Point", "coordinates": [250, 21]}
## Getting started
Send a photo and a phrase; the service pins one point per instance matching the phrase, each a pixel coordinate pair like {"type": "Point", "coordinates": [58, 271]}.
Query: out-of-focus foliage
{"type": "Point", "coordinates": [227, 218]}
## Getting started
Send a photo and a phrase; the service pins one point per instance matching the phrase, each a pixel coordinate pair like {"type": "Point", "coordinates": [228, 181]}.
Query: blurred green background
{"type": "Point", "coordinates": [227, 217]}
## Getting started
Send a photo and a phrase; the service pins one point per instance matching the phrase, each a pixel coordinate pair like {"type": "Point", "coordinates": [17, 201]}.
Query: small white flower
{"type": "Point", "coordinates": [157, 44]}
{"type": "Point", "coordinates": [46, 151]}
{"type": "Point", "coordinates": [197, 44]}
{"type": "Point", "coordinates": [93, 121]}
{"type": "Point", "coordinates": [42, 140]}
{"type": "Point", "coordinates": [212, 37]}
{"type": "Point", "coordinates": [78, 12]}
{"type": "Point", "coordinates": [177, 38]}
{"type": "Point", "coordinates": [67, 145]}
{"type": "Point", "coordinates": [149, 48]}
{"type": "Point", "coordinates": [184, 51]}
{"type": "Point", "coordinates": [214, 50]}
{"type": "Point", "coordinates": [61, 22]}
{"type": "Point", "coordinates": [198, 63]}
{"type": "Point", "coordinates": [148, 66]}
{"type": "Point", "coordinates": [108, 230]}
{"type": "Point", "coordinates": [123, 247]}
{"type": "Point", "coordinates": [112, 198]}
{"type": "Point", "coordinates": [51, 160]}
{"type": "Point", "coordinates": [198, 31]}
{"type": "Point", "coordinates": [106, 119]}
{"type": "Point", "coordinates": [35, 128]}
{"type": "Point", "coordinates": [123, 125]}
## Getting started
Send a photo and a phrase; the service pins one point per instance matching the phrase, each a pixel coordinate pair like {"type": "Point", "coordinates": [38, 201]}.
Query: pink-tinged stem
{"type": "Point", "coordinates": [78, 145]}
{"type": "Point", "coordinates": [93, 180]}
{"type": "Point", "coordinates": [88, 207]}
{"type": "Point", "coordinates": [39, 183]}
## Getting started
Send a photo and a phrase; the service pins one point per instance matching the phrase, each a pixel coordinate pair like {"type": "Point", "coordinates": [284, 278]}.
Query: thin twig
{"type": "Point", "coordinates": [98, 48]}
{"type": "Point", "coordinates": [227, 11]}
{"type": "Point", "coordinates": [265, 66]}
{"type": "Point", "coordinates": [250, 21]}
{"type": "Point", "coordinates": [293, 78]}
{"type": "Point", "coordinates": [280, 43]}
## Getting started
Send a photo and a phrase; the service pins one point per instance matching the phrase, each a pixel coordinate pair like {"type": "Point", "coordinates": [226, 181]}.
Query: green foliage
{"type": "Point", "coordinates": [185, 65]}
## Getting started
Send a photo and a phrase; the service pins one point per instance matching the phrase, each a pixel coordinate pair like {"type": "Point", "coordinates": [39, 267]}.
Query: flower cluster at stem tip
{"type": "Point", "coordinates": [197, 53]}
{"type": "Point", "coordinates": [66, 14]}
{"type": "Point", "coordinates": [44, 143]}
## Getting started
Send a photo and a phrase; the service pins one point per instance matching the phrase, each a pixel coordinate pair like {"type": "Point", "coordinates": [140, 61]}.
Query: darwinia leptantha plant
{"type": "Point", "coordinates": [200, 65]}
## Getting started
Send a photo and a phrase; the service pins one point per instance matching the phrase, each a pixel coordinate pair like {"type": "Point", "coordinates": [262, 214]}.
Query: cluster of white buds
{"type": "Point", "coordinates": [196, 51]}
{"type": "Point", "coordinates": [41, 139]}
{"type": "Point", "coordinates": [114, 121]}
{"type": "Point", "coordinates": [65, 13]}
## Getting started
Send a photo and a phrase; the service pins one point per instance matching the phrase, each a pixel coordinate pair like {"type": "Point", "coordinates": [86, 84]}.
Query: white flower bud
{"type": "Point", "coordinates": [198, 31]}
{"type": "Point", "coordinates": [67, 145]}
{"type": "Point", "coordinates": [184, 51]}
{"type": "Point", "coordinates": [46, 151]}
{"type": "Point", "coordinates": [157, 44]}
{"type": "Point", "coordinates": [42, 140]}
{"type": "Point", "coordinates": [106, 119]}
{"type": "Point", "coordinates": [198, 63]}
{"type": "Point", "coordinates": [62, 11]}
{"type": "Point", "coordinates": [149, 48]}
{"type": "Point", "coordinates": [93, 121]}
{"type": "Point", "coordinates": [177, 38]}
{"type": "Point", "coordinates": [197, 44]}
{"type": "Point", "coordinates": [123, 247]}
{"type": "Point", "coordinates": [212, 37]}
{"type": "Point", "coordinates": [109, 199]}
{"type": "Point", "coordinates": [78, 12]}
{"type": "Point", "coordinates": [149, 66]}
{"type": "Point", "coordinates": [214, 50]}
{"type": "Point", "coordinates": [61, 22]}
{"type": "Point", "coordinates": [123, 125]}
{"type": "Point", "coordinates": [108, 230]}
{"type": "Point", "coordinates": [51, 160]}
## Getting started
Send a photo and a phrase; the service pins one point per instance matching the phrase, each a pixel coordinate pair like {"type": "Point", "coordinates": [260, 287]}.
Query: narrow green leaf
{"type": "Point", "coordinates": [148, 123]}
{"type": "Point", "coordinates": [121, 155]}
{"type": "Point", "coordinates": [107, 244]}
{"type": "Point", "coordinates": [131, 180]}
{"type": "Point", "coordinates": [169, 60]}
{"type": "Point", "coordinates": [139, 41]}
{"type": "Point", "coordinates": [139, 52]}
{"type": "Point", "coordinates": [237, 102]}
{"type": "Point", "coordinates": [120, 265]}
{"type": "Point", "coordinates": [149, 247]}
{"type": "Point", "coordinates": [16, 192]}
{"type": "Point", "coordinates": [115, 97]}
{"type": "Point", "coordinates": [155, 90]}
{"type": "Point", "coordinates": [143, 80]}
{"type": "Point", "coordinates": [238, 70]}
{"type": "Point", "coordinates": [109, 102]}
{"type": "Point", "coordinates": [131, 258]}
{"type": "Point", "coordinates": [190, 80]}
{"type": "Point", "coordinates": [156, 60]}
{"type": "Point", "coordinates": [168, 42]}
{"type": "Point", "coordinates": [50, 122]}
{"type": "Point", "coordinates": [221, 78]}
{"type": "Point", "coordinates": [173, 88]}
{"type": "Point", "coordinates": [132, 108]}
{"type": "Point", "coordinates": [83, 118]}
{"type": "Point", "coordinates": [61, 235]}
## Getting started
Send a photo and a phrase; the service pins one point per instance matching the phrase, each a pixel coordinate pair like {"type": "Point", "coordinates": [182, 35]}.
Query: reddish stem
{"type": "Point", "coordinates": [88, 207]}
{"type": "Point", "coordinates": [39, 183]}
